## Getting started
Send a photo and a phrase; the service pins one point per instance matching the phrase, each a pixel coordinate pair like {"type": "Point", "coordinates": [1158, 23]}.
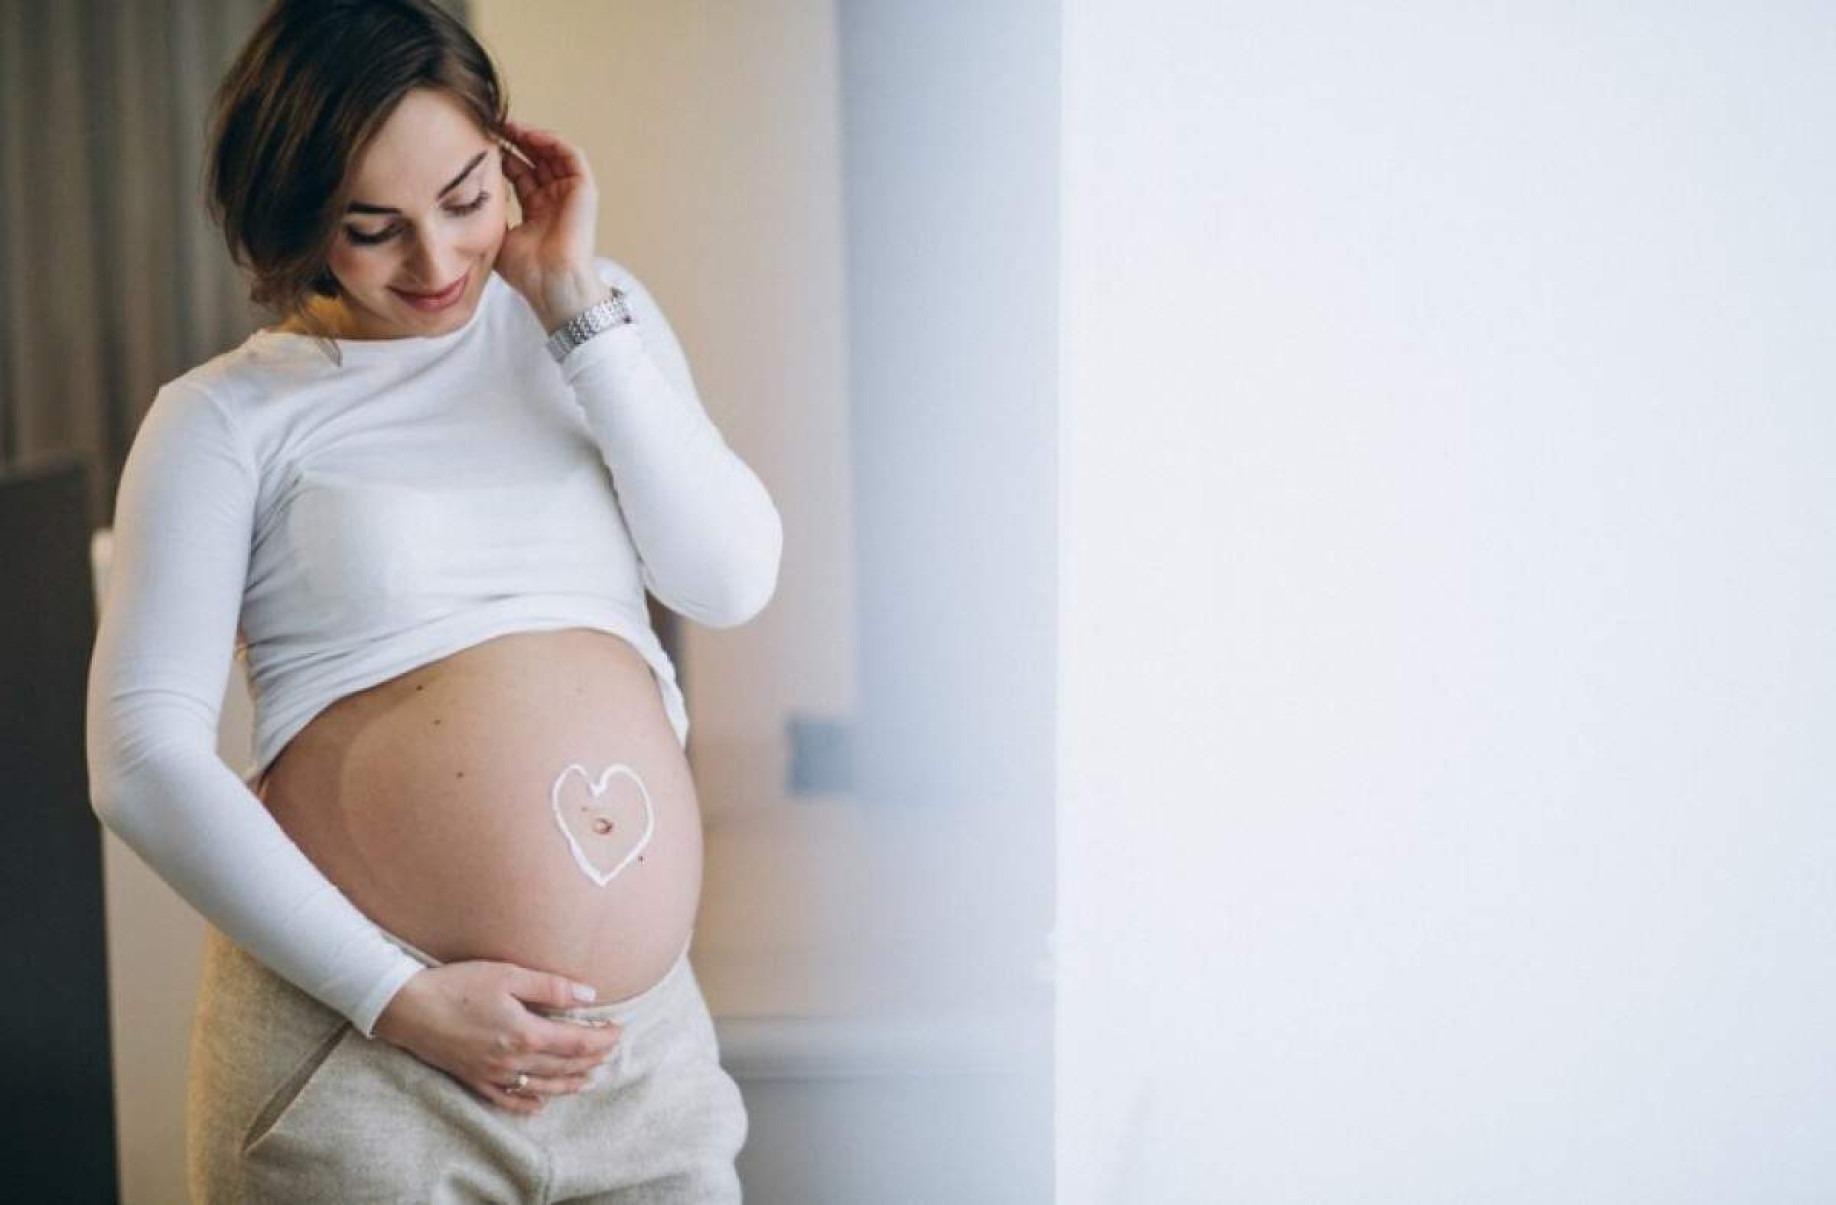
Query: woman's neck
{"type": "Point", "coordinates": [327, 316]}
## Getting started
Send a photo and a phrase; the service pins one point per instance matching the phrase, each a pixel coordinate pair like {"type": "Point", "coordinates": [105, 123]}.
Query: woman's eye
{"type": "Point", "coordinates": [383, 236]}
{"type": "Point", "coordinates": [365, 240]}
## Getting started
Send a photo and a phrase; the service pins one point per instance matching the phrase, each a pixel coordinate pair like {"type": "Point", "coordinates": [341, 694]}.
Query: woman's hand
{"type": "Point", "coordinates": [548, 257]}
{"type": "Point", "coordinates": [469, 1020]}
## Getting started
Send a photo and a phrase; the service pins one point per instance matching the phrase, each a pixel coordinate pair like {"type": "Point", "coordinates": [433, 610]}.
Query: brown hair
{"type": "Point", "coordinates": [315, 82]}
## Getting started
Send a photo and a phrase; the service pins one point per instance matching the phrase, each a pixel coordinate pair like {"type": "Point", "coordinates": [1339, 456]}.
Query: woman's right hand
{"type": "Point", "coordinates": [469, 1019]}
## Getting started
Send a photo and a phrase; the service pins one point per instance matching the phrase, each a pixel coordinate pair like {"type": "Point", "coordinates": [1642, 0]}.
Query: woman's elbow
{"type": "Point", "coordinates": [131, 766]}
{"type": "Point", "coordinates": [112, 802]}
{"type": "Point", "coordinates": [764, 576]}
{"type": "Point", "coordinates": [102, 764]}
{"type": "Point", "coordinates": [114, 796]}
{"type": "Point", "coordinates": [759, 588]}
{"type": "Point", "coordinates": [746, 582]}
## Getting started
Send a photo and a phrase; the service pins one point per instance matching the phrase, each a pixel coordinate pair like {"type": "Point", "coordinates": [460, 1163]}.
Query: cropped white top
{"type": "Point", "coordinates": [338, 525]}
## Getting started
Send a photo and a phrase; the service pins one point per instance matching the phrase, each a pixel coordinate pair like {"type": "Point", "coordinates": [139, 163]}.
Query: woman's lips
{"type": "Point", "coordinates": [436, 301]}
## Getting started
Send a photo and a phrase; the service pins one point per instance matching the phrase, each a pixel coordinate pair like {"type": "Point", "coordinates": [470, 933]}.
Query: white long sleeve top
{"type": "Point", "coordinates": [338, 525]}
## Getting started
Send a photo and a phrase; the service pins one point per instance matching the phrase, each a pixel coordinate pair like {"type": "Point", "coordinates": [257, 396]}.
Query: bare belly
{"type": "Point", "coordinates": [474, 807]}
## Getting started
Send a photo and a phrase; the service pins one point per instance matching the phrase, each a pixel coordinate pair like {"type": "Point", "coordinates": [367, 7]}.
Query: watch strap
{"type": "Point", "coordinates": [600, 316]}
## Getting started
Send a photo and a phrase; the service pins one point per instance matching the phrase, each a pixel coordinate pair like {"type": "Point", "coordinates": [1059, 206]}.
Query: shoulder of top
{"type": "Point", "coordinates": [187, 414]}
{"type": "Point", "coordinates": [227, 366]}
{"type": "Point", "coordinates": [228, 380]}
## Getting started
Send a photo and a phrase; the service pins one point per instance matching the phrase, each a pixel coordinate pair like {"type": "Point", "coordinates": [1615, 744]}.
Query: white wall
{"type": "Point", "coordinates": [1446, 672]}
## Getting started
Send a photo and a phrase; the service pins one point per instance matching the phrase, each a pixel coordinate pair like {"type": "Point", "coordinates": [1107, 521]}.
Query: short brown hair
{"type": "Point", "coordinates": [311, 88]}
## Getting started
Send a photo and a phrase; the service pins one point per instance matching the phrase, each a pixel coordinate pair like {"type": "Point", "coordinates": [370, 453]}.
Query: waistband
{"type": "Point", "coordinates": [627, 1012]}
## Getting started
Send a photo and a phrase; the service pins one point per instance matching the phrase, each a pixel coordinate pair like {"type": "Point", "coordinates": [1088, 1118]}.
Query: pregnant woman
{"type": "Point", "coordinates": [450, 902]}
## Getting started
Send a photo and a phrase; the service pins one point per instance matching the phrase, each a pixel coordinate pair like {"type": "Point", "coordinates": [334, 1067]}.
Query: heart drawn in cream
{"type": "Point", "coordinates": [602, 825]}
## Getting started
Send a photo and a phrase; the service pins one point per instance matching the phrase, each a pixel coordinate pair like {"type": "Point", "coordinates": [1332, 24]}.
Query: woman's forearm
{"type": "Point", "coordinates": [705, 527]}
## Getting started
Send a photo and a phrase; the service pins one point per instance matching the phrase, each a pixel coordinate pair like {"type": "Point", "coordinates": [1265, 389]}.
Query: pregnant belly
{"type": "Point", "coordinates": [523, 800]}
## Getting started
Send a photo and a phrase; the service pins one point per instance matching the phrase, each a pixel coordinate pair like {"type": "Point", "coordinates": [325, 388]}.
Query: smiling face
{"type": "Point", "coordinates": [417, 243]}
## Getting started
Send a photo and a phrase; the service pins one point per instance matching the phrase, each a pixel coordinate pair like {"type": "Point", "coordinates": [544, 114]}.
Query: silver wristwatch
{"type": "Point", "coordinates": [600, 316]}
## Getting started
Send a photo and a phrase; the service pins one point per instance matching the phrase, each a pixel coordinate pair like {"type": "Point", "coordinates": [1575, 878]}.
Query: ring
{"type": "Point", "coordinates": [522, 1081]}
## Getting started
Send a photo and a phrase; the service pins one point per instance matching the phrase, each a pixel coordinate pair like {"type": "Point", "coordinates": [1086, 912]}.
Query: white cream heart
{"type": "Point", "coordinates": [601, 877]}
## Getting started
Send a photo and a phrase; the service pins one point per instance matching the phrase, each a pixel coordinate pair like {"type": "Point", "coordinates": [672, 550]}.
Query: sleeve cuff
{"type": "Point", "coordinates": [623, 346]}
{"type": "Point", "coordinates": [365, 1016]}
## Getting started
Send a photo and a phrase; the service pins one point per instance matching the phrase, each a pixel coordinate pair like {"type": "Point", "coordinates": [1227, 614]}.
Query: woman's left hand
{"type": "Point", "coordinates": [548, 257]}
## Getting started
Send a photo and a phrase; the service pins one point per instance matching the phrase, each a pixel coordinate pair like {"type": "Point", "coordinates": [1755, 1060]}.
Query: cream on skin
{"type": "Point", "coordinates": [600, 827]}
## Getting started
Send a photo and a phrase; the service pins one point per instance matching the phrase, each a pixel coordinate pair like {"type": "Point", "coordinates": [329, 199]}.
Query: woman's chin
{"type": "Point", "coordinates": [411, 322]}
{"type": "Point", "coordinates": [439, 324]}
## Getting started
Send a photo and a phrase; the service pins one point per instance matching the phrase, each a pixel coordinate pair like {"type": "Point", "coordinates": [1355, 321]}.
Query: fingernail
{"type": "Point", "coordinates": [583, 992]}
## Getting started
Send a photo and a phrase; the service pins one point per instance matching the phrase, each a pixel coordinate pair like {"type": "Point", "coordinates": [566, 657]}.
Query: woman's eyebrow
{"type": "Point", "coordinates": [361, 207]}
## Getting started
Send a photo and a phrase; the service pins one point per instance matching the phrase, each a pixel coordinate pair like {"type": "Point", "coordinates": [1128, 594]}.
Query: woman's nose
{"type": "Point", "coordinates": [433, 264]}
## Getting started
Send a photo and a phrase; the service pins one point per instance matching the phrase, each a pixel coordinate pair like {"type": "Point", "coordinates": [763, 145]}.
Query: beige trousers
{"type": "Point", "coordinates": [287, 1102]}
